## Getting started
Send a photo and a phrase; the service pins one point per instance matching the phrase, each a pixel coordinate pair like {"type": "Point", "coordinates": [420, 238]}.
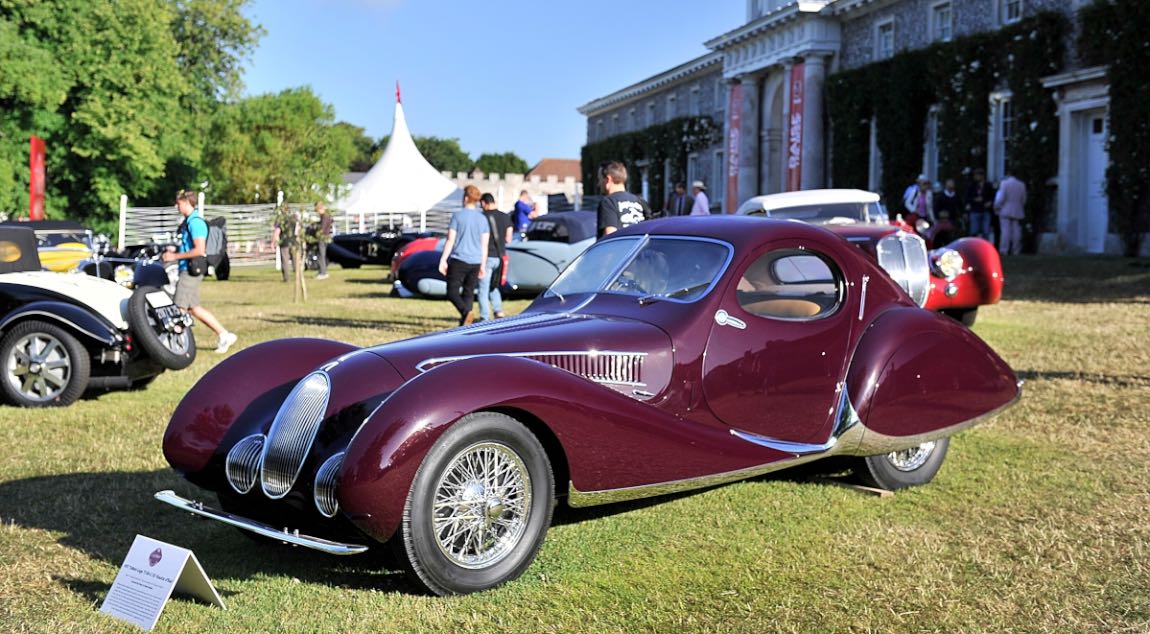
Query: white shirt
{"type": "Point", "coordinates": [702, 206]}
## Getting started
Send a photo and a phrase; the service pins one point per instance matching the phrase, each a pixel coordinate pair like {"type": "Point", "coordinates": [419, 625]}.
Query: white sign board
{"type": "Point", "coordinates": [150, 573]}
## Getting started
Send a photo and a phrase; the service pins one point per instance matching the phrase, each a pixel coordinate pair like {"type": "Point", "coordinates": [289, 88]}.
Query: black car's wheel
{"type": "Point", "coordinates": [905, 468]}
{"type": "Point", "coordinates": [44, 365]}
{"type": "Point", "coordinates": [223, 270]}
{"type": "Point", "coordinates": [966, 317]}
{"type": "Point", "coordinates": [478, 508]}
{"type": "Point", "coordinates": [173, 346]}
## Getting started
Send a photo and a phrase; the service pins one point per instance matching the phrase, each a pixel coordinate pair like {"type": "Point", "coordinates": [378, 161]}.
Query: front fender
{"type": "Point", "coordinates": [209, 409]}
{"type": "Point", "coordinates": [979, 285]}
{"type": "Point", "coordinates": [74, 318]}
{"type": "Point", "coordinates": [609, 440]}
{"type": "Point", "coordinates": [916, 372]}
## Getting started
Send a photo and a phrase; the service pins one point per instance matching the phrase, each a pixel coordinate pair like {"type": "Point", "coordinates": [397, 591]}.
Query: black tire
{"type": "Point", "coordinates": [174, 351]}
{"type": "Point", "coordinates": [918, 466]}
{"type": "Point", "coordinates": [224, 269]}
{"type": "Point", "coordinates": [519, 516]}
{"type": "Point", "coordinates": [965, 317]}
{"type": "Point", "coordinates": [60, 365]}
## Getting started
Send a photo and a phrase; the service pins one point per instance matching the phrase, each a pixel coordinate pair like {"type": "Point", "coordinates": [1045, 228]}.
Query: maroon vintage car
{"type": "Point", "coordinates": [676, 354]}
{"type": "Point", "coordinates": [960, 276]}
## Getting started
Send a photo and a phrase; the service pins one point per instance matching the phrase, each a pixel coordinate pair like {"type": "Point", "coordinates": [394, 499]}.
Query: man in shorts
{"type": "Point", "coordinates": [193, 236]}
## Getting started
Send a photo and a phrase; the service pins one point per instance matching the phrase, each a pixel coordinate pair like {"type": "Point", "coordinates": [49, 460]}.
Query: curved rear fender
{"type": "Point", "coordinates": [609, 440]}
{"type": "Point", "coordinates": [209, 409]}
{"type": "Point", "coordinates": [73, 318]}
{"type": "Point", "coordinates": [915, 372]}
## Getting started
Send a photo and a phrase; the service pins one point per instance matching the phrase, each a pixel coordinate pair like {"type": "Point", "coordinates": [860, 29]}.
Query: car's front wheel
{"type": "Point", "coordinates": [479, 507]}
{"type": "Point", "coordinates": [44, 365]}
{"type": "Point", "coordinates": [966, 317]}
{"type": "Point", "coordinates": [904, 468]}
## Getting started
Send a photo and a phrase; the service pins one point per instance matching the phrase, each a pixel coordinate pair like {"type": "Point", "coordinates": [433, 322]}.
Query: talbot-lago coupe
{"type": "Point", "coordinates": [963, 275]}
{"type": "Point", "coordinates": [675, 354]}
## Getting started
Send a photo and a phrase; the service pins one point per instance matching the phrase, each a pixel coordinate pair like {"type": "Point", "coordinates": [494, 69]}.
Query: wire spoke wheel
{"type": "Point", "coordinates": [912, 458]}
{"type": "Point", "coordinates": [482, 505]}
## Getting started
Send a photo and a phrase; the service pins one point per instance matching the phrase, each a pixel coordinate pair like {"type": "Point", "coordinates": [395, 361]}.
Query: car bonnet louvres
{"type": "Point", "coordinates": [292, 434]}
{"type": "Point", "coordinates": [903, 256]}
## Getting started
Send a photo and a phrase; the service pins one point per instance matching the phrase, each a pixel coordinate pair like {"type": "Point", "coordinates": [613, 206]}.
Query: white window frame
{"type": "Point", "coordinates": [930, 149]}
{"type": "Point", "coordinates": [721, 92]}
{"type": "Point", "coordinates": [632, 120]}
{"type": "Point", "coordinates": [651, 114]}
{"type": "Point", "coordinates": [1001, 125]}
{"type": "Point", "coordinates": [692, 168]}
{"type": "Point", "coordinates": [599, 129]}
{"type": "Point", "coordinates": [718, 192]}
{"type": "Point", "coordinates": [672, 106]}
{"type": "Point", "coordinates": [874, 169]}
{"type": "Point", "coordinates": [1003, 11]}
{"type": "Point", "coordinates": [939, 32]}
{"type": "Point", "coordinates": [696, 101]}
{"type": "Point", "coordinates": [881, 53]}
{"type": "Point", "coordinates": [615, 124]}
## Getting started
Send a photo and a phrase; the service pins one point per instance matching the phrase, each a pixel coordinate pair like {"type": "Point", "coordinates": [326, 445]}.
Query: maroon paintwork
{"type": "Point", "coordinates": [907, 372]}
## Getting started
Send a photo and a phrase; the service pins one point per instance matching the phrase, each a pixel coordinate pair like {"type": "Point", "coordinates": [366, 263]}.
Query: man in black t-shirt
{"type": "Point", "coordinates": [619, 208]}
{"type": "Point", "coordinates": [490, 299]}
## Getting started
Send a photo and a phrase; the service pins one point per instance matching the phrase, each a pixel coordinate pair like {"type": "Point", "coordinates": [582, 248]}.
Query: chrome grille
{"type": "Point", "coordinates": [325, 486]}
{"type": "Point", "coordinates": [903, 256]}
{"type": "Point", "coordinates": [619, 368]}
{"type": "Point", "coordinates": [292, 434]}
{"type": "Point", "coordinates": [243, 463]}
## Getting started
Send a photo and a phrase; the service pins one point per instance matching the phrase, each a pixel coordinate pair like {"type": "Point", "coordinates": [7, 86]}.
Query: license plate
{"type": "Point", "coordinates": [158, 299]}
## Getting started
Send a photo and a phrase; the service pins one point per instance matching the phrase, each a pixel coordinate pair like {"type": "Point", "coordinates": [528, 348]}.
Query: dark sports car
{"type": "Point", "coordinates": [62, 334]}
{"type": "Point", "coordinates": [353, 250]}
{"type": "Point", "coordinates": [675, 354]}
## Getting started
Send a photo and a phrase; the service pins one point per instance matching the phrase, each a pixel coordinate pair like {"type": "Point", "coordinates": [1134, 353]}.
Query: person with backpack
{"type": "Point", "coordinates": [191, 255]}
{"type": "Point", "coordinates": [490, 298]}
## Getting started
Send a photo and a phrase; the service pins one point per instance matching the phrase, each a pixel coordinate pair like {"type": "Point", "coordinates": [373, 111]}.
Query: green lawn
{"type": "Point", "coordinates": [1039, 521]}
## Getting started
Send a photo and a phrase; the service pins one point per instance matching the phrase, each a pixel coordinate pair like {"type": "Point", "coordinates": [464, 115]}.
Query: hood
{"type": "Point", "coordinates": [107, 298]}
{"type": "Point", "coordinates": [614, 351]}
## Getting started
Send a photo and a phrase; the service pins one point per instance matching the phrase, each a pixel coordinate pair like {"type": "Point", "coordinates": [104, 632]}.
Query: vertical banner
{"type": "Point", "coordinates": [734, 121]}
{"type": "Point", "coordinates": [795, 130]}
{"type": "Point", "coordinates": [36, 180]}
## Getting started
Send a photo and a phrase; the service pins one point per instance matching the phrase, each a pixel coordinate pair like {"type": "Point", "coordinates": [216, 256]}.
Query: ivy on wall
{"type": "Point", "coordinates": [958, 78]}
{"type": "Point", "coordinates": [671, 141]}
{"type": "Point", "coordinates": [1114, 32]}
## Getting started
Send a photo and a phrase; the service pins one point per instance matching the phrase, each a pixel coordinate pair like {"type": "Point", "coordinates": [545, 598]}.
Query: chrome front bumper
{"type": "Point", "coordinates": [284, 535]}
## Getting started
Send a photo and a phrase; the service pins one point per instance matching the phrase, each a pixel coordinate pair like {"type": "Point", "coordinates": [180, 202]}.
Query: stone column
{"type": "Point", "coordinates": [814, 137]}
{"type": "Point", "coordinates": [749, 137]}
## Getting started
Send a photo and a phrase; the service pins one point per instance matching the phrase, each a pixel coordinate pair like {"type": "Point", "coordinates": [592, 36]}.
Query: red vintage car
{"type": "Point", "coordinates": [676, 354]}
{"type": "Point", "coordinates": [961, 276]}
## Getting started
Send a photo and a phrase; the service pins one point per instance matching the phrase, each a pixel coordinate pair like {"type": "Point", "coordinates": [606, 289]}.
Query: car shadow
{"type": "Point", "coordinates": [99, 514]}
{"type": "Point", "coordinates": [1123, 381]}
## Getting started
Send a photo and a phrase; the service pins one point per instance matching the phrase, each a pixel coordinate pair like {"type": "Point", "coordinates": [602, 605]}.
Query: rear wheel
{"type": "Point", "coordinates": [164, 332]}
{"type": "Point", "coordinates": [44, 365]}
{"type": "Point", "coordinates": [966, 317]}
{"type": "Point", "coordinates": [479, 506]}
{"type": "Point", "coordinates": [904, 468]}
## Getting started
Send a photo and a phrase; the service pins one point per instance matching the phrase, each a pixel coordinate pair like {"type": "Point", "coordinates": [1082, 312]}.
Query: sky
{"type": "Point", "coordinates": [499, 75]}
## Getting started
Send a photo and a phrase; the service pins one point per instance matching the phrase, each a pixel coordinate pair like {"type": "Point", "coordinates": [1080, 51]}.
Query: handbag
{"type": "Point", "coordinates": [198, 265]}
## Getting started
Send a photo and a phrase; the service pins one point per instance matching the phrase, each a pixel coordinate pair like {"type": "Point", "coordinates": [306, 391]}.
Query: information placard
{"type": "Point", "coordinates": [151, 572]}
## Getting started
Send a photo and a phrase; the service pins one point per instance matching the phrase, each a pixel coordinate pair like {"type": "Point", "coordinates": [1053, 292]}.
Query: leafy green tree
{"type": "Point", "coordinates": [365, 148]}
{"type": "Point", "coordinates": [443, 154]}
{"type": "Point", "coordinates": [505, 163]}
{"type": "Point", "coordinates": [284, 142]}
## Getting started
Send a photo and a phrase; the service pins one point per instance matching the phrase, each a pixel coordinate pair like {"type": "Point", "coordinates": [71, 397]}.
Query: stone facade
{"type": "Point", "coordinates": [826, 36]}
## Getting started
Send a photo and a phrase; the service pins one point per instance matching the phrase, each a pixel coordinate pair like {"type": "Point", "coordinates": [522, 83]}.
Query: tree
{"type": "Point", "coordinates": [365, 148]}
{"type": "Point", "coordinates": [444, 155]}
{"type": "Point", "coordinates": [285, 142]}
{"type": "Point", "coordinates": [505, 163]}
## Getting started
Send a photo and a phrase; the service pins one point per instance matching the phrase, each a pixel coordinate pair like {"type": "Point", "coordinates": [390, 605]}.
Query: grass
{"type": "Point", "coordinates": [1038, 521]}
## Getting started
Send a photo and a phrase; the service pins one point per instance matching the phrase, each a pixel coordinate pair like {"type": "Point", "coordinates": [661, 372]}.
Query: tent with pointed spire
{"type": "Point", "coordinates": [402, 182]}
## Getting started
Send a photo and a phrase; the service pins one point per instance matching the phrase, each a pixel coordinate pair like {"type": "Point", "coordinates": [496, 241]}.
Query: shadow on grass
{"type": "Point", "coordinates": [1077, 280]}
{"type": "Point", "coordinates": [1123, 381]}
{"type": "Point", "coordinates": [100, 514]}
{"type": "Point", "coordinates": [373, 282]}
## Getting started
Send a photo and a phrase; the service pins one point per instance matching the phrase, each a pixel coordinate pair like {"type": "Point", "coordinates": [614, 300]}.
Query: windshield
{"type": "Point", "coordinates": [833, 213]}
{"type": "Point", "coordinates": [680, 269]}
{"type": "Point", "coordinates": [55, 238]}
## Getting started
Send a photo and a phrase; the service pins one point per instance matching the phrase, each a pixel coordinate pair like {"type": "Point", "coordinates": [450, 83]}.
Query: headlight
{"type": "Point", "coordinates": [124, 275]}
{"type": "Point", "coordinates": [949, 264]}
{"type": "Point", "coordinates": [921, 226]}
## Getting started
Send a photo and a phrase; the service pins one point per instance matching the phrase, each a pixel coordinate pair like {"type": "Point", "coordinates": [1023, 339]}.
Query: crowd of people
{"type": "Point", "coordinates": [983, 211]}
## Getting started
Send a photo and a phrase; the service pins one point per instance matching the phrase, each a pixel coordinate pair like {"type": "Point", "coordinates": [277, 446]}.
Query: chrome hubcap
{"type": "Point", "coordinates": [912, 458]}
{"type": "Point", "coordinates": [39, 367]}
{"type": "Point", "coordinates": [482, 505]}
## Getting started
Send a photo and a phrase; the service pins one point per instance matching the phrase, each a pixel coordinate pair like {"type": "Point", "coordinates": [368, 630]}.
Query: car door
{"type": "Point", "coordinates": [779, 344]}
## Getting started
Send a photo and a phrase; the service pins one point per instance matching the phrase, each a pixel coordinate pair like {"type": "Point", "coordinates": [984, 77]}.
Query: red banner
{"type": "Point", "coordinates": [36, 179]}
{"type": "Point", "coordinates": [734, 121]}
{"type": "Point", "coordinates": [795, 130]}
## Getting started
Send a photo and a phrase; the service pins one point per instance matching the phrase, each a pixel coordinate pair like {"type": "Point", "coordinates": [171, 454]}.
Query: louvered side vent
{"type": "Point", "coordinates": [292, 434]}
{"type": "Point", "coordinates": [618, 368]}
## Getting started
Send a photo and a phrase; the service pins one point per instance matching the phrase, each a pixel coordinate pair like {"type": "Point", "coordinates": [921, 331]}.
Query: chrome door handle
{"type": "Point", "coordinates": [723, 318]}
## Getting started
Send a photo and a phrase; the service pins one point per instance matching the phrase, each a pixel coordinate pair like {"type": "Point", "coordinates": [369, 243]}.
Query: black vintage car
{"type": "Point", "coordinates": [62, 334]}
{"type": "Point", "coordinates": [353, 250]}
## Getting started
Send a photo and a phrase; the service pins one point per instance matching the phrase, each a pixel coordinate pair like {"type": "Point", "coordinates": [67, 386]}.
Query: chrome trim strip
{"type": "Point", "coordinates": [290, 537]}
{"type": "Point", "coordinates": [785, 446]}
{"type": "Point", "coordinates": [862, 296]}
{"type": "Point", "coordinates": [609, 367]}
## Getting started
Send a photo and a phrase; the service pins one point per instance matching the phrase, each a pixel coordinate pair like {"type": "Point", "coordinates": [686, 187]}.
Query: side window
{"type": "Point", "coordinates": [790, 284]}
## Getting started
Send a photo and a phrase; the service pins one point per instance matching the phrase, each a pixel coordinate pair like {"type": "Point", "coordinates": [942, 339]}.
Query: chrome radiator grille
{"type": "Point", "coordinates": [903, 257]}
{"type": "Point", "coordinates": [325, 486]}
{"type": "Point", "coordinates": [292, 434]}
{"type": "Point", "coordinates": [243, 463]}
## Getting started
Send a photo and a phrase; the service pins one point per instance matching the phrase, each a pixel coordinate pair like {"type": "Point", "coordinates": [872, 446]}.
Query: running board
{"type": "Point", "coordinates": [284, 535]}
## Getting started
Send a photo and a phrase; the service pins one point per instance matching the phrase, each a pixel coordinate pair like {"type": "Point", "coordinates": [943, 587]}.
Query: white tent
{"type": "Point", "coordinates": [402, 182]}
